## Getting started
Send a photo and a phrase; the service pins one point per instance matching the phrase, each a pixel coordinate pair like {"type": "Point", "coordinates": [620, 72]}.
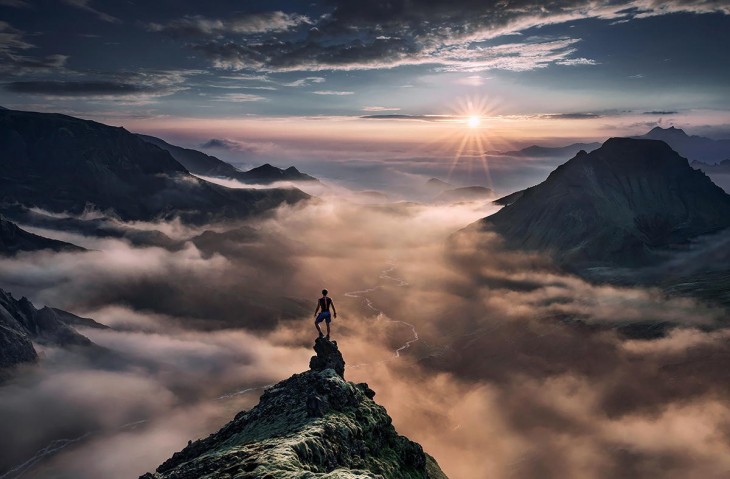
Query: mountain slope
{"type": "Point", "coordinates": [14, 240]}
{"type": "Point", "coordinates": [693, 147]}
{"type": "Point", "coordinates": [312, 425]}
{"type": "Point", "coordinates": [618, 205]}
{"type": "Point", "coordinates": [206, 165]}
{"type": "Point", "coordinates": [64, 164]}
{"type": "Point", "coordinates": [21, 323]}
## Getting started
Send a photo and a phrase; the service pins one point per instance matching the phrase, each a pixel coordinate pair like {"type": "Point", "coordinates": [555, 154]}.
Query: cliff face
{"type": "Point", "coordinates": [21, 323]}
{"type": "Point", "coordinates": [312, 425]}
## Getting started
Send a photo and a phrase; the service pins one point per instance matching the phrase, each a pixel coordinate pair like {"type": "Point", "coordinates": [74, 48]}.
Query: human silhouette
{"type": "Point", "coordinates": [324, 304]}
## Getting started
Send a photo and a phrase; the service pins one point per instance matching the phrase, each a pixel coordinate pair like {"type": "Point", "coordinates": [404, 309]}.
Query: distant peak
{"type": "Point", "coordinates": [668, 131]}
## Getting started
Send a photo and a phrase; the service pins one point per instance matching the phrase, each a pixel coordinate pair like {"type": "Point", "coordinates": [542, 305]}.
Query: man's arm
{"type": "Point", "coordinates": [317, 308]}
{"type": "Point", "coordinates": [332, 303]}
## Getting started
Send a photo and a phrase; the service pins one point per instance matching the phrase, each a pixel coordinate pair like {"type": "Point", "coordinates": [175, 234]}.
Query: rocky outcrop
{"type": "Point", "coordinates": [312, 425]}
{"type": "Point", "coordinates": [619, 205]}
{"type": "Point", "coordinates": [21, 324]}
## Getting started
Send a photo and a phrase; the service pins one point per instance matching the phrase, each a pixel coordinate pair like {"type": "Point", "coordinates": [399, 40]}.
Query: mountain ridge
{"type": "Point", "coordinates": [619, 204]}
{"type": "Point", "coordinates": [64, 164]}
{"type": "Point", "coordinates": [312, 425]}
{"type": "Point", "coordinates": [203, 164]}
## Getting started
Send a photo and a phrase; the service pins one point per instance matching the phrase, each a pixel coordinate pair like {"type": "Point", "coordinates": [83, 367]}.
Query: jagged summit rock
{"type": "Point", "coordinates": [314, 425]}
{"type": "Point", "coordinates": [21, 324]}
{"type": "Point", "coordinates": [328, 357]}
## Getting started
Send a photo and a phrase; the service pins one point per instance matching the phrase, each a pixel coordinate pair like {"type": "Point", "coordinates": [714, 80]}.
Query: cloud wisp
{"type": "Point", "coordinates": [454, 36]}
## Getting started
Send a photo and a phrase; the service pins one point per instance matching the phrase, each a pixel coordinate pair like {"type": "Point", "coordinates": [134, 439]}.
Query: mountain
{"type": "Point", "coordinates": [692, 147]}
{"type": "Point", "coordinates": [206, 165]}
{"type": "Point", "coordinates": [722, 168]}
{"type": "Point", "coordinates": [14, 240]}
{"type": "Point", "coordinates": [64, 164]}
{"type": "Point", "coordinates": [468, 193]}
{"type": "Point", "coordinates": [536, 151]}
{"type": "Point", "coordinates": [434, 185]}
{"type": "Point", "coordinates": [619, 204]}
{"type": "Point", "coordinates": [21, 323]}
{"type": "Point", "coordinates": [312, 425]}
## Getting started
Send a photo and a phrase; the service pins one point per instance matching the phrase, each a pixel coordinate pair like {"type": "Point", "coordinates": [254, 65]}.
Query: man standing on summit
{"type": "Point", "coordinates": [324, 303]}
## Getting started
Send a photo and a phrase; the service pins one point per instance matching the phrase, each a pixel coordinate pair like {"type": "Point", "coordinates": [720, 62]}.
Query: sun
{"type": "Point", "coordinates": [473, 121]}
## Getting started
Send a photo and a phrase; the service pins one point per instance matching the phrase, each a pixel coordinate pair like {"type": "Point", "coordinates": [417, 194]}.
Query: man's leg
{"type": "Point", "coordinates": [328, 329]}
{"type": "Point", "coordinates": [316, 325]}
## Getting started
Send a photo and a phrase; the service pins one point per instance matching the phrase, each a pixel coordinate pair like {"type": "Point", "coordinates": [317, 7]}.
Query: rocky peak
{"type": "Point", "coordinates": [312, 425]}
{"type": "Point", "coordinates": [328, 357]}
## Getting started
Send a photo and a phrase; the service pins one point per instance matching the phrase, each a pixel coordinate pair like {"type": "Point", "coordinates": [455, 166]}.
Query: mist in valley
{"type": "Point", "coordinates": [496, 361]}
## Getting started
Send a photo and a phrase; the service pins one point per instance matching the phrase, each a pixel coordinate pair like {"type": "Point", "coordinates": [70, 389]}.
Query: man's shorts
{"type": "Point", "coordinates": [323, 316]}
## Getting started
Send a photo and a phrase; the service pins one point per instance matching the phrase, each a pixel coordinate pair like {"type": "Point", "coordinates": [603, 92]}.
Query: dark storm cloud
{"type": "Point", "coordinates": [383, 34]}
{"type": "Point", "coordinates": [196, 25]}
{"type": "Point", "coordinates": [571, 116]}
{"type": "Point", "coordinates": [78, 88]}
{"type": "Point", "coordinates": [141, 85]}
{"type": "Point", "coordinates": [85, 5]}
{"type": "Point", "coordinates": [411, 117]}
{"type": "Point", "coordinates": [14, 56]}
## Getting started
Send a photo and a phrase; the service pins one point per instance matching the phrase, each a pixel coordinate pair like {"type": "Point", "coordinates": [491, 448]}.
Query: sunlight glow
{"type": "Point", "coordinates": [473, 121]}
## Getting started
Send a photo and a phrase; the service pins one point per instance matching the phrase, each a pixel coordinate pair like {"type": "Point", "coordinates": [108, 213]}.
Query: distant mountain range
{"type": "Point", "coordinates": [695, 148]}
{"type": "Point", "coordinates": [536, 151]}
{"type": "Point", "coordinates": [15, 240]}
{"type": "Point", "coordinates": [64, 164]}
{"type": "Point", "coordinates": [618, 205]}
{"type": "Point", "coordinates": [202, 164]}
{"type": "Point", "coordinates": [722, 168]}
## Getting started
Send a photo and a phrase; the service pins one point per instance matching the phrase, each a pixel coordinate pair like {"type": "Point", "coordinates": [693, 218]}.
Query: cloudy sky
{"type": "Point", "coordinates": [276, 78]}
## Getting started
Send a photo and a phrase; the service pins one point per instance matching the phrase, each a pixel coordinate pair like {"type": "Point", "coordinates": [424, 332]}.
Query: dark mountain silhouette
{"type": "Point", "coordinates": [536, 151]}
{"type": "Point", "coordinates": [722, 168]}
{"type": "Point", "coordinates": [314, 424]}
{"type": "Point", "coordinates": [64, 164]}
{"type": "Point", "coordinates": [618, 205]}
{"type": "Point", "coordinates": [14, 240]}
{"type": "Point", "coordinates": [206, 165]}
{"type": "Point", "coordinates": [21, 324]}
{"type": "Point", "coordinates": [467, 193]}
{"type": "Point", "coordinates": [693, 147]}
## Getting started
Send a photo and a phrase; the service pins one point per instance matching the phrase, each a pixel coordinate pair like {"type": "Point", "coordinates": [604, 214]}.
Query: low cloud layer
{"type": "Point", "coordinates": [506, 367]}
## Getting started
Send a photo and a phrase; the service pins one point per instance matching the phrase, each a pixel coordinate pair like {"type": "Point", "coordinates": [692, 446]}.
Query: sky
{"type": "Point", "coordinates": [307, 83]}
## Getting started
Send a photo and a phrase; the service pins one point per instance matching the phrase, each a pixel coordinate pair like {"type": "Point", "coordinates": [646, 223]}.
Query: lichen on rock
{"type": "Point", "coordinates": [314, 425]}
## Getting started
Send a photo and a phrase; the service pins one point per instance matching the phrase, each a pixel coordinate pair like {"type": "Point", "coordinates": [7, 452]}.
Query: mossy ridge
{"type": "Point", "coordinates": [314, 425]}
